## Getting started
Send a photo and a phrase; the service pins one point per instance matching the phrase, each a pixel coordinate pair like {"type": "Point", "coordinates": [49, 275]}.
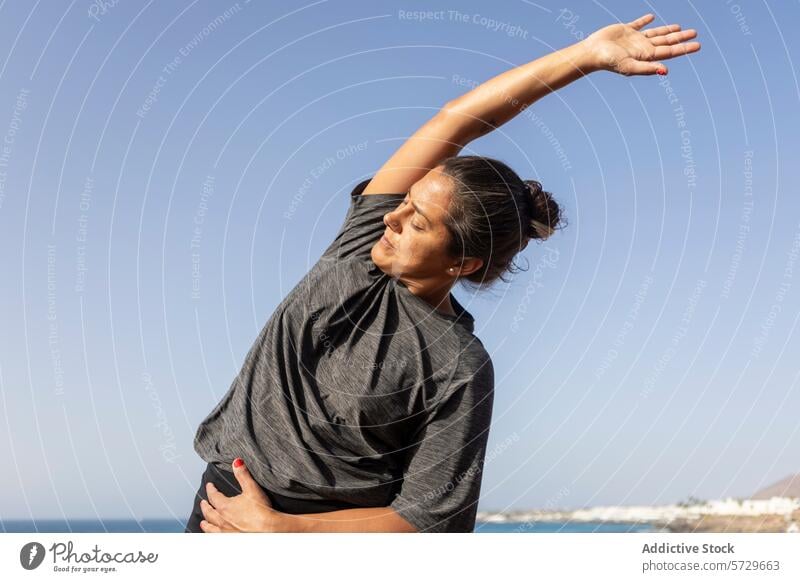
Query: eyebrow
{"type": "Point", "coordinates": [418, 210]}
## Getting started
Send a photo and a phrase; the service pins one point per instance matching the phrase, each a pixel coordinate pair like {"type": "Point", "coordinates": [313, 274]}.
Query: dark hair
{"type": "Point", "coordinates": [493, 215]}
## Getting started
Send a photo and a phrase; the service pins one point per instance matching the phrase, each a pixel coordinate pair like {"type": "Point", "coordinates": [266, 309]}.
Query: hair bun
{"type": "Point", "coordinates": [545, 214]}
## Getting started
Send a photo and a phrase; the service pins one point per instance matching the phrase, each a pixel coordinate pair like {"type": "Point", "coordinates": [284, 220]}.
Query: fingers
{"type": "Point", "coordinates": [642, 21]}
{"type": "Point", "coordinates": [215, 497]}
{"type": "Point", "coordinates": [669, 52]}
{"type": "Point", "coordinates": [661, 30]}
{"type": "Point", "coordinates": [212, 515]}
{"type": "Point", "coordinates": [634, 67]}
{"type": "Point", "coordinates": [246, 481]}
{"type": "Point", "coordinates": [209, 527]}
{"type": "Point", "coordinates": [673, 38]}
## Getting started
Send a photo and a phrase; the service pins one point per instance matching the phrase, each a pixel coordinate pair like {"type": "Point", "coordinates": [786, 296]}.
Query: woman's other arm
{"type": "Point", "coordinates": [266, 520]}
{"type": "Point", "coordinates": [621, 48]}
{"type": "Point", "coordinates": [362, 519]}
{"type": "Point", "coordinates": [251, 511]}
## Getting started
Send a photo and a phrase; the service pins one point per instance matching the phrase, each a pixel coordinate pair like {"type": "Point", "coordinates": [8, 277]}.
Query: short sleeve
{"type": "Point", "coordinates": [363, 225]}
{"type": "Point", "coordinates": [442, 480]}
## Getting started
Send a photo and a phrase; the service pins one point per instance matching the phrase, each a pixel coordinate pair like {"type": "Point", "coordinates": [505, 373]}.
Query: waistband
{"type": "Point", "coordinates": [226, 482]}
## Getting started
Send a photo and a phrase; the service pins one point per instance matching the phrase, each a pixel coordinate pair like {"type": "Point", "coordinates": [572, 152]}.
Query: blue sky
{"type": "Point", "coordinates": [165, 181]}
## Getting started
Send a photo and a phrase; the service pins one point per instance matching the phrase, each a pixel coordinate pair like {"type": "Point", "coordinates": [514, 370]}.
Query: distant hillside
{"type": "Point", "coordinates": [788, 487]}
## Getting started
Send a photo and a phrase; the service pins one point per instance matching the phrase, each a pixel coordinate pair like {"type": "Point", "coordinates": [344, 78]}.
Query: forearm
{"type": "Point", "coordinates": [362, 519]}
{"type": "Point", "coordinates": [501, 98]}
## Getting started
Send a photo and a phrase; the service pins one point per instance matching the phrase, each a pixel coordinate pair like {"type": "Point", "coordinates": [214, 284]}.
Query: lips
{"type": "Point", "coordinates": [385, 242]}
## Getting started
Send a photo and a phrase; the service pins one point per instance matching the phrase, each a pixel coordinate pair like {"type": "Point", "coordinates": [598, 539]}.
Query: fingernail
{"type": "Point", "coordinates": [237, 462]}
{"type": "Point", "coordinates": [661, 71]}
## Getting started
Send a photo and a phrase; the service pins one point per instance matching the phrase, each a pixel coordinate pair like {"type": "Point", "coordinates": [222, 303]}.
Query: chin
{"type": "Point", "coordinates": [380, 259]}
{"type": "Point", "coordinates": [377, 256]}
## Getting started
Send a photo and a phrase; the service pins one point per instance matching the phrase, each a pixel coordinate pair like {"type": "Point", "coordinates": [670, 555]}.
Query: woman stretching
{"type": "Point", "coordinates": [365, 402]}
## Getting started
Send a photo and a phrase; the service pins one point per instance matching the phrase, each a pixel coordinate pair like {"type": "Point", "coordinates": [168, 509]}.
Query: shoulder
{"type": "Point", "coordinates": [363, 224]}
{"type": "Point", "coordinates": [359, 190]}
{"type": "Point", "coordinates": [475, 368]}
{"type": "Point", "coordinates": [375, 204]}
{"type": "Point", "coordinates": [473, 354]}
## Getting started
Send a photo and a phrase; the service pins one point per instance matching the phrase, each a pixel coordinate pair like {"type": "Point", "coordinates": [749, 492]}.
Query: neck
{"type": "Point", "coordinates": [437, 296]}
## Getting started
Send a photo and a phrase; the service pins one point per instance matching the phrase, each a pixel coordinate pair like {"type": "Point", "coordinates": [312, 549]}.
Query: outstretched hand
{"type": "Point", "coordinates": [628, 50]}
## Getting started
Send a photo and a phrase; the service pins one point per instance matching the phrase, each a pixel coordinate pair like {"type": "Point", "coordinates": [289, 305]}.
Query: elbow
{"type": "Point", "coordinates": [406, 527]}
{"type": "Point", "coordinates": [465, 126]}
{"type": "Point", "coordinates": [402, 525]}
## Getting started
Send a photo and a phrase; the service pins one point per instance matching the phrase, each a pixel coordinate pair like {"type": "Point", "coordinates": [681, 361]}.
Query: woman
{"type": "Point", "coordinates": [365, 402]}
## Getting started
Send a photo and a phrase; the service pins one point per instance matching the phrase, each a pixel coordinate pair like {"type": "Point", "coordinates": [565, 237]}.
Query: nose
{"type": "Point", "coordinates": [390, 220]}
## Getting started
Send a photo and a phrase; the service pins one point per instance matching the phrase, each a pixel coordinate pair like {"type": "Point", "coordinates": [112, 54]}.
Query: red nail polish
{"type": "Point", "coordinates": [237, 462]}
{"type": "Point", "coordinates": [661, 71]}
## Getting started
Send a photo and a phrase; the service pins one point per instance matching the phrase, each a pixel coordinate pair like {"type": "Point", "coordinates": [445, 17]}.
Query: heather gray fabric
{"type": "Point", "coordinates": [358, 391]}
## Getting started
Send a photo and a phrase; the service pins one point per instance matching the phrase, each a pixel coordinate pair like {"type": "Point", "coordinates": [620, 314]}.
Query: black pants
{"type": "Point", "coordinates": [226, 483]}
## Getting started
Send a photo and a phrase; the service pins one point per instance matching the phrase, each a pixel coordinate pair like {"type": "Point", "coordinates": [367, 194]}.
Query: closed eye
{"type": "Point", "coordinates": [414, 226]}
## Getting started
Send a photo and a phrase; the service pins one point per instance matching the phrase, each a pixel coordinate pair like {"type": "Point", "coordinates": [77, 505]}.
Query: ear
{"type": "Point", "coordinates": [465, 267]}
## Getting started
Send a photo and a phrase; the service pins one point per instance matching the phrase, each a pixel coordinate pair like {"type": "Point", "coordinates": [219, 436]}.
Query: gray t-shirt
{"type": "Point", "coordinates": [356, 390]}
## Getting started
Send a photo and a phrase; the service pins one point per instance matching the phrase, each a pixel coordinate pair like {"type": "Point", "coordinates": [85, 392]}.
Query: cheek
{"type": "Point", "coordinates": [420, 251]}
{"type": "Point", "coordinates": [407, 249]}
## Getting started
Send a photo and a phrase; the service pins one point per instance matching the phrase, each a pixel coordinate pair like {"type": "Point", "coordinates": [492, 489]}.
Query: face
{"type": "Point", "coordinates": [414, 245]}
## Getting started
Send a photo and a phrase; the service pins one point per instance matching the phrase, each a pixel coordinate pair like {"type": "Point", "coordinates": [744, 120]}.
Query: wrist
{"type": "Point", "coordinates": [583, 55]}
{"type": "Point", "coordinates": [281, 522]}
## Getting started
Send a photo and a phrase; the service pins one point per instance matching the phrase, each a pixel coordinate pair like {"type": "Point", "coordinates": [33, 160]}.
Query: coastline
{"type": "Point", "coordinates": [775, 515]}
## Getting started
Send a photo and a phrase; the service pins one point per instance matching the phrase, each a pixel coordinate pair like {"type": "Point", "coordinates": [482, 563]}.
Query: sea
{"type": "Point", "coordinates": [177, 526]}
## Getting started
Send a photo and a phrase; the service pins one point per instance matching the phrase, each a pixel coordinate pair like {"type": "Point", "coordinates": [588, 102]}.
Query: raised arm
{"type": "Point", "coordinates": [626, 49]}
{"type": "Point", "coordinates": [440, 138]}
